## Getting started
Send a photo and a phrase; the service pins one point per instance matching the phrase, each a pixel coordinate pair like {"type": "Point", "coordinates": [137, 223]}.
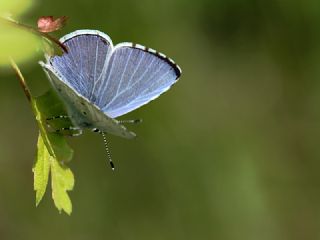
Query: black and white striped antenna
{"type": "Point", "coordinates": [134, 121]}
{"type": "Point", "coordinates": [107, 149]}
{"type": "Point", "coordinates": [105, 145]}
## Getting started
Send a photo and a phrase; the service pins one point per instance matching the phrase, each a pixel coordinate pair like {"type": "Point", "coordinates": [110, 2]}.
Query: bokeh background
{"type": "Point", "coordinates": [230, 152]}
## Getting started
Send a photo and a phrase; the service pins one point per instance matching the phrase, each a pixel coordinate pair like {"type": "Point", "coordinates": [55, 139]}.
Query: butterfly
{"type": "Point", "coordinates": [99, 82]}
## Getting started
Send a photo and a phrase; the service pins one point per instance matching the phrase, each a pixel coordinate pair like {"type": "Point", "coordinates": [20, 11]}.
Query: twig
{"type": "Point", "coordinates": [21, 79]}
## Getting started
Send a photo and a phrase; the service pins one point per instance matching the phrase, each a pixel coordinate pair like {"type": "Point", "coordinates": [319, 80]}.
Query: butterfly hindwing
{"type": "Point", "coordinates": [83, 113]}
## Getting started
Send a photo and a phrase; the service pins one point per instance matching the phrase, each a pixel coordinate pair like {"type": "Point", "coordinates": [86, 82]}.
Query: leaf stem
{"type": "Point", "coordinates": [34, 106]}
{"type": "Point", "coordinates": [22, 81]}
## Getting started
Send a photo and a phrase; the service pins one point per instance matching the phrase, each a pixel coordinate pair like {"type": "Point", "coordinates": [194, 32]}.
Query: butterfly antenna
{"type": "Point", "coordinates": [107, 149]}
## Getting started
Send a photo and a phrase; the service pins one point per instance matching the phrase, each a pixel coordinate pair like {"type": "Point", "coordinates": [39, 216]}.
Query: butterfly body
{"type": "Point", "coordinates": [99, 82]}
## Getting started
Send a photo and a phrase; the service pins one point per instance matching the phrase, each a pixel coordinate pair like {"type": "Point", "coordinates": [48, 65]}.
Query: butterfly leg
{"type": "Point", "coordinates": [134, 121]}
{"type": "Point", "coordinates": [50, 119]}
{"type": "Point", "coordinates": [57, 117]}
{"type": "Point", "coordinates": [67, 129]}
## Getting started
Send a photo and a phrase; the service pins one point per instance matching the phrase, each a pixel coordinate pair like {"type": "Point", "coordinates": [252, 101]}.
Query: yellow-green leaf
{"type": "Point", "coordinates": [62, 180]}
{"type": "Point", "coordinates": [41, 170]}
{"type": "Point", "coordinates": [17, 43]}
{"type": "Point", "coordinates": [49, 105]}
{"type": "Point", "coordinates": [53, 149]}
{"type": "Point", "coordinates": [14, 7]}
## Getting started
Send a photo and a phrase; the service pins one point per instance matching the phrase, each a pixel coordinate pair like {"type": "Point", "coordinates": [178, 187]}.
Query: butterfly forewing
{"type": "Point", "coordinates": [84, 66]}
{"type": "Point", "coordinates": [135, 76]}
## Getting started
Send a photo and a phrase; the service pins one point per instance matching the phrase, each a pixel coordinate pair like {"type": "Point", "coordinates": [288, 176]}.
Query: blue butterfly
{"type": "Point", "coordinates": [99, 82]}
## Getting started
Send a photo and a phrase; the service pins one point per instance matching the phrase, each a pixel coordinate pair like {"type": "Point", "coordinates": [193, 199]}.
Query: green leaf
{"type": "Point", "coordinates": [49, 105]}
{"type": "Point", "coordinates": [52, 149]}
{"type": "Point", "coordinates": [15, 7]}
{"type": "Point", "coordinates": [51, 48]}
{"type": "Point", "coordinates": [41, 170]}
{"type": "Point", "coordinates": [17, 43]}
{"type": "Point", "coordinates": [62, 180]}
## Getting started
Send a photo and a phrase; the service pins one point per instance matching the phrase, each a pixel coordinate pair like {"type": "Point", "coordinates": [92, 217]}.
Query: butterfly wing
{"type": "Point", "coordinates": [135, 76]}
{"type": "Point", "coordinates": [116, 79]}
{"type": "Point", "coordinates": [82, 112]}
{"type": "Point", "coordinates": [84, 66]}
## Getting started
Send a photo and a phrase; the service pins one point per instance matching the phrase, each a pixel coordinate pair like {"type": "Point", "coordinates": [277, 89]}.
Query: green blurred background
{"type": "Point", "coordinates": [230, 152]}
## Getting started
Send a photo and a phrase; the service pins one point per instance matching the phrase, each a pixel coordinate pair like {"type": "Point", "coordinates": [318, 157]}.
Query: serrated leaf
{"type": "Point", "coordinates": [49, 105]}
{"type": "Point", "coordinates": [55, 143]}
{"type": "Point", "coordinates": [58, 151]}
{"type": "Point", "coordinates": [62, 180]}
{"type": "Point", "coordinates": [52, 149]}
{"type": "Point", "coordinates": [41, 170]}
{"type": "Point", "coordinates": [55, 150]}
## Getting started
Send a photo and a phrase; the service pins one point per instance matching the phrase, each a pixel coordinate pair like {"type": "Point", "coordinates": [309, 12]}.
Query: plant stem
{"type": "Point", "coordinates": [22, 81]}
{"type": "Point", "coordinates": [34, 106]}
